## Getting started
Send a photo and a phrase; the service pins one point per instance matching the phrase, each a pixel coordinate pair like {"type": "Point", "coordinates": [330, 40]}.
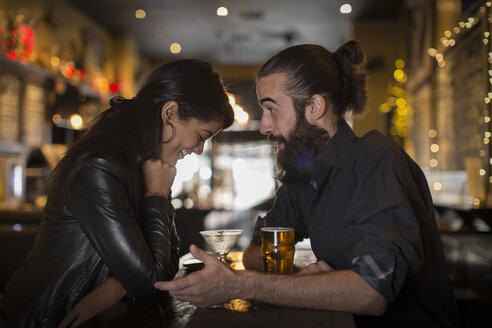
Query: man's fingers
{"type": "Point", "coordinates": [197, 252]}
{"type": "Point", "coordinates": [320, 266]}
{"type": "Point", "coordinates": [176, 284]}
{"type": "Point", "coordinates": [201, 255]}
{"type": "Point", "coordinates": [311, 268]}
{"type": "Point", "coordinates": [165, 285]}
{"type": "Point", "coordinates": [324, 266]}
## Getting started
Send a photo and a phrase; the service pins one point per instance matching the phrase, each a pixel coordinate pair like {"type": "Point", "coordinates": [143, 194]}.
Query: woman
{"type": "Point", "coordinates": [108, 221]}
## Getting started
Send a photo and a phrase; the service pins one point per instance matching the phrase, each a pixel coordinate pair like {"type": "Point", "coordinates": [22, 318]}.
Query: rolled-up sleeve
{"type": "Point", "coordinates": [377, 270]}
{"type": "Point", "coordinates": [383, 241]}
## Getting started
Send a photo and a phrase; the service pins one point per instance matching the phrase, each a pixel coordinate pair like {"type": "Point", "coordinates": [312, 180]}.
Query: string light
{"type": "Point", "coordinates": [140, 14]}
{"type": "Point", "coordinates": [175, 48]}
{"type": "Point", "coordinates": [346, 8]}
{"type": "Point", "coordinates": [76, 121]}
{"type": "Point", "coordinates": [396, 102]}
{"type": "Point", "coordinates": [434, 148]}
{"type": "Point", "coordinates": [437, 186]}
{"type": "Point", "coordinates": [222, 11]}
{"type": "Point", "coordinates": [448, 40]}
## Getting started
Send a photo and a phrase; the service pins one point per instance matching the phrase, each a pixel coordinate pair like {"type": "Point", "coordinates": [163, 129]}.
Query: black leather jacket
{"type": "Point", "coordinates": [101, 227]}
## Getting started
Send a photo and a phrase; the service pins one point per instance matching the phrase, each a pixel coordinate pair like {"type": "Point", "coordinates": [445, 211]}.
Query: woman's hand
{"type": "Point", "coordinates": [159, 176]}
{"type": "Point", "coordinates": [102, 297]}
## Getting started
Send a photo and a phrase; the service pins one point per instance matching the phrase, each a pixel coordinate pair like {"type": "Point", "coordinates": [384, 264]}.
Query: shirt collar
{"type": "Point", "coordinates": [336, 152]}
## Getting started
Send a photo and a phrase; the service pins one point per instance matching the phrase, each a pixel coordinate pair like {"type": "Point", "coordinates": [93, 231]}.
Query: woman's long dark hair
{"type": "Point", "coordinates": [134, 126]}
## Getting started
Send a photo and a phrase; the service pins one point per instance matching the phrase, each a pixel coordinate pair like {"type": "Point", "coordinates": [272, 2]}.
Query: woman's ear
{"type": "Point", "coordinates": [316, 108]}
{"type": "Point", "coordinates": [169, 111]}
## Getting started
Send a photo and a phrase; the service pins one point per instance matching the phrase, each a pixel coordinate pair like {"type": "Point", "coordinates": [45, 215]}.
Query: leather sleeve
{"type": "Point", "coordinates": [137, 254]}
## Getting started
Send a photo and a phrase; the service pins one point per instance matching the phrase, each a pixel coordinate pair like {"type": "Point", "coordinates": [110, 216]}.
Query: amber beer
{"type": "Point", "coordinates": [277, 249]}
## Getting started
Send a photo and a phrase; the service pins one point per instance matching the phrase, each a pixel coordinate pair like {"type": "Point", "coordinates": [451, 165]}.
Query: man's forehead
{"type": "Point", "coordinates": [270, 85]}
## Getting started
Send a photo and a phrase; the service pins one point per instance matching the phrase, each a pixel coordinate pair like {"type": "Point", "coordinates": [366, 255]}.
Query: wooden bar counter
{"type": "Point", "coordinates": [173, 313]}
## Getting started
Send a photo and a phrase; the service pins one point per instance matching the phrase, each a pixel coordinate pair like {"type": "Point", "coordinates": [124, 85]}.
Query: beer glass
{"type": "Point", "coordinates": [277, 249]}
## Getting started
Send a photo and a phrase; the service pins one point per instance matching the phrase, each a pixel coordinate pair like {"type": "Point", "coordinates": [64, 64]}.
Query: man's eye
{"type": "Point", "coordinates": [271, 110]}
{"type": "Point", "coordinates": [200, 138]}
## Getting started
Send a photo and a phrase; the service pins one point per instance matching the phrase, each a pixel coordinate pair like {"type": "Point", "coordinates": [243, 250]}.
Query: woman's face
{"type": "Point", "coordinates": [189, 136]}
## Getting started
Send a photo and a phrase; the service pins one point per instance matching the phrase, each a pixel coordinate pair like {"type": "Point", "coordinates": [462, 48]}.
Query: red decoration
{"type": "Point", "coordinates": [68, 71]}
{"type": "Point", "coordinates": [27, 38]}
{"type": "Point", "coordinates": [81, 74]}
{"type": "Point", "coordinates": [12, 55]}
{"type": "Point", "coordinates": [114, 87]}
{"type": "Point", "coordinates": [21, 42]}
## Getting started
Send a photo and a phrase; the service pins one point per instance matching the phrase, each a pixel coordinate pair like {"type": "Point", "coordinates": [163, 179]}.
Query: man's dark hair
{"type": "Point", "coordinates": [312, 69]}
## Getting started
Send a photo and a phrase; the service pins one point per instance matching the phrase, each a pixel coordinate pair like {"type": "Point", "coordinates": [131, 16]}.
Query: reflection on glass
{"type": "Point", "coordinates": [221, 241]}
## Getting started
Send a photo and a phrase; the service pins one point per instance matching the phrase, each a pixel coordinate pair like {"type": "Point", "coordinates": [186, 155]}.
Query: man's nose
{"type": "Point", "coordinates": [266, 126]}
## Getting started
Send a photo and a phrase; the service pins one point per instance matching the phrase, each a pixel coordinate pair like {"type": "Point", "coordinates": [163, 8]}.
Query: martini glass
{"type": "Point", "coordinates": [221, 241]}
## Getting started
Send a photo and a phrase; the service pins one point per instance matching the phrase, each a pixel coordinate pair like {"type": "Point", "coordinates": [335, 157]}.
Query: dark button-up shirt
{"type": "Point", "coordinates": [368, 209]}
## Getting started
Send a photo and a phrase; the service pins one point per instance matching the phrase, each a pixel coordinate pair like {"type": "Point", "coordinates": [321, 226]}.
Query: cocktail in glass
{"type": "Point", "coordinates": [221, 241]}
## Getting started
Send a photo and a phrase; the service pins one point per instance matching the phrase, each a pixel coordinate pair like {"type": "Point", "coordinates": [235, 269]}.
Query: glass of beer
{"type": "Point", "coordinates": [277, 249]}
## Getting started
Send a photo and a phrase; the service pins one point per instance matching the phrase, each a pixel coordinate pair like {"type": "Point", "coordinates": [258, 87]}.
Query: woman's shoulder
{"type": "Point", "coordinates": [113, 164]}
{"type": "Point", "coordinates": [107, 160]}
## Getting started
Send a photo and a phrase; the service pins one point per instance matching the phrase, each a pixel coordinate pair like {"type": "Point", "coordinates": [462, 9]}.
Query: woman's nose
{"type": "Point", "coordinates": [199, 149]}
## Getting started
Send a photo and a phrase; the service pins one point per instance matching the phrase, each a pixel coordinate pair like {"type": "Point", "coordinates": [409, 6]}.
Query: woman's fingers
{"type": "Point", "coordinates": [159, 176]}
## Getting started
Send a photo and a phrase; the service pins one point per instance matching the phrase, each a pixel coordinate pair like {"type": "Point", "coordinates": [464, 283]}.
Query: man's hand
{"type": "Point", "coordinates": [103, 296]}
{"type": "Point", "coordinates": [252, 258]}
{"type": "Point", "coordinates": [210, 286]}
{"type": "Point", "coordinates": [320, 266]}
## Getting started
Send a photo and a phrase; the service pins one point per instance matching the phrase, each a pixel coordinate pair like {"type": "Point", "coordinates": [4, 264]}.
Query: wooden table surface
{"type": "Point", "coordinates": [264, 315]}
{"type": "Point", "coordinates": [173, 313]}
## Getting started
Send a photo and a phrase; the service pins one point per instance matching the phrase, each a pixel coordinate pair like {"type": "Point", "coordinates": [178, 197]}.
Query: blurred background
{"type": "Point", "coordinates": [429, 85]}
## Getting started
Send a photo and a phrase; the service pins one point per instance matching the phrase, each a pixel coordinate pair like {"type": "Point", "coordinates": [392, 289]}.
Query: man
{"type": "Point", "coordinates": [363, 202]}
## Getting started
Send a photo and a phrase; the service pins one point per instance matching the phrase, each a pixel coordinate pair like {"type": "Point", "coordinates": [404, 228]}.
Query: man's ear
{"type": "Point", "coordinates": [316, 108]}
{"type": "Point", "coordinates": [169, 111]}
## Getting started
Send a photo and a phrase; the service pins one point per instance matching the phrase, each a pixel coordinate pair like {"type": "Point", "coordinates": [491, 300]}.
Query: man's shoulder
{"type": "Point", "coordinates": [374, 149]}
{"type": "Point", "coordinates": [375, 140]}
{"type": "Point", "coordinates": [374, 144]}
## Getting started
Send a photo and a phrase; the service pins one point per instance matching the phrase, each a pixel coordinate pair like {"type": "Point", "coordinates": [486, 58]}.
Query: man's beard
{"type": "Point", "coordinates": [304, 142]}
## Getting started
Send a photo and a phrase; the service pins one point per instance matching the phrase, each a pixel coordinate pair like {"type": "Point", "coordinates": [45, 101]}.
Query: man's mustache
{"type": "Point", "coordinates": [276, 139]}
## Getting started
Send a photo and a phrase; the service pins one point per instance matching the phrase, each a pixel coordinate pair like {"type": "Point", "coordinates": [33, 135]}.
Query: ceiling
{"type": "Point", "coordinates": [253, 31]}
